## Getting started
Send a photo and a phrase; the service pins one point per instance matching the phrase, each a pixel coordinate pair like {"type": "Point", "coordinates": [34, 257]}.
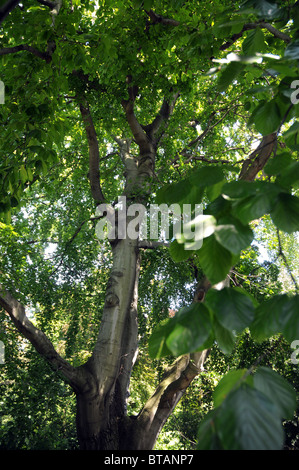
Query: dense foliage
{"type": "Point", "coordinates": [216, 84]}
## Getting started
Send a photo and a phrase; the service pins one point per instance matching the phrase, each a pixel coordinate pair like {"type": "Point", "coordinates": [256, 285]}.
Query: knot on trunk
{"type": "Point", "coordinates": [111, 300]}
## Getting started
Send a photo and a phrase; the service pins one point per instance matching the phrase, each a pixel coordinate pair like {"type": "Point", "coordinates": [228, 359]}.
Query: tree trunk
{"type": "Point", "coordinates": [101, 407]}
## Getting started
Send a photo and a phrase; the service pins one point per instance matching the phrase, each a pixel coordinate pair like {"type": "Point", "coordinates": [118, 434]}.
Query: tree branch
{"type": "Point", "coordinates": [147, 244]}
{"type": "Point", "coordinates": [156, 19]}
{"type": "Point", "coordinates": [278, 34]}
{"type": "Point", "coordinates": [158, 408]}
{"type": "Point", "coordinates": [25, 47]}
{"type": "Point", "coordinates": [163, 115]}
{"type": "Point", "coordinates": [249, 26]}
{"type": "Point", "coordinates": [38, 339]}
{"type": "Point", "coordinates": [200, 137]}
{"type": "Point", "coordinates": [55, 10]}
{"type": "Point", "coordinates": [258, 159]}
{"type": "Point", "coordinates": [94, 155]}
{"type": "Point", "coordinates": [128, 106]}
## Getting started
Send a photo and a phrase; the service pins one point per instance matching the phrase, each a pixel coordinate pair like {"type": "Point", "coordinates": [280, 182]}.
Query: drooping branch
{"type": "Point", "coordinates": [94, 155]}
{"type": "Point", "coordinates": [38, 339]}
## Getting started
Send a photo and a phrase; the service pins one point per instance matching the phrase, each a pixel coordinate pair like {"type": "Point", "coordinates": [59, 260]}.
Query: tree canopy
{"type": "Point", "coordinates": [175, 104]}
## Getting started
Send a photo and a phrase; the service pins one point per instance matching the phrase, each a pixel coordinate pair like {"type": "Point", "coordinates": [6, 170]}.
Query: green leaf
{"type": "Point", "coordinates": [233, 309]}
{"type": "Point", "coordinates": [233, 235]}
{"type": "Point", "coordinates": [191, 330]}
{"type": "Point", "coordinates": [178, 252]}
{"type": "Point", "coordinates": [267, 117]}
{"type": "Point", "coordinates": [215, 260]}
{"type": "Point", "coordinates": [276, 315]}
{"type": "Point", "coordinates": [248, 420]}
{"type": "Point", "coordinates": [254, 42]}
{"type": "Point", "coordinates": [290, 319]}
{"type": "Point", "coordinates": [23, 174]}
{"type": "Point", "coordinates": [292, 50]}
{"type": "Point", "coordinates": [292, 130]}
{"type": "Point", "coordinates": [215, 190]}
{"type": "Point", "coordinates": [147, 4]}
{"type": "Point", "coordinates": [201, 226]}
{"type": "Point", "coordinates": [277, 389]}
{"type": "Point", "coordinates": [157, 342]}
{"type": "Point", "coordinates": [220, 207]}
{"type": "Point", "coordinates": [242, 189]}
{"type": "Point", "coordinates": [289, 176]}
{"type": "Point", "coordinates": [225, 338]}
{"type": "Point", "coordinates": [30, 174]}
{"type": "Point", "coordinates": [266, 322]}
{"type": "Point", "coordinates": [267, 10]}
{"type": "Point", "coordinates": [285, 214]}
{"type": "Point", "coordinates": [232, 380]}
{"type": "Point", "coordinates": [278, 164]}
{"type": "Point", "coordinates": [207, 176]}
{"type": "Point", "coordinates": [208, 438]}
{"type": "Point", "coordinates": [254, 207]}
{"type": "Point", "coordinates": [229, 74]}
{"type": "Point", "coordinates": [183, 192]}
{"type": "Point", "coordinates": [14, 202]}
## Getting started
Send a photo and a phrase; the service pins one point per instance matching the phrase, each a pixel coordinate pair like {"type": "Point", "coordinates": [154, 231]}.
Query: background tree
{"type": "Point", "coordinates": [159, 102]}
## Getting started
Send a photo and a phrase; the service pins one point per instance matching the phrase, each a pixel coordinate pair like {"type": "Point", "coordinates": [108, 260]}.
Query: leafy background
{"type": "Point", "coordinates": [49, 251]}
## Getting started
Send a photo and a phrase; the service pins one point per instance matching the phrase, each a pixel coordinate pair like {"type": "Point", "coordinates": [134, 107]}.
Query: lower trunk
{"type": "Point", "coordinates": [102, 424]}
{"type": "Point", "coordinates": [93, 430]}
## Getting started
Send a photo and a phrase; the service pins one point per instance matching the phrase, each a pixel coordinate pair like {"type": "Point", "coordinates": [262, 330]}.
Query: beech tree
{"type": "Point", "coordinates": [139, 103]}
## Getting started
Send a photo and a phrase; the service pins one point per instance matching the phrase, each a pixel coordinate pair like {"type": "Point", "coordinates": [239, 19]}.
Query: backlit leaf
{"type": "Point", "coordinates": [233, 308]}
